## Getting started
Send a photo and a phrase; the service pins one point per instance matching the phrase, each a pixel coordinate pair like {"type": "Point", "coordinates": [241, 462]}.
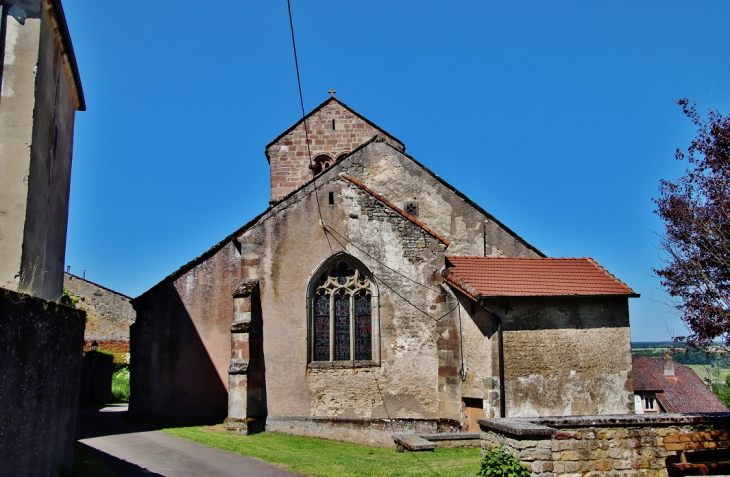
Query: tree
{"type": "Point", "coordinates": [696, 212]}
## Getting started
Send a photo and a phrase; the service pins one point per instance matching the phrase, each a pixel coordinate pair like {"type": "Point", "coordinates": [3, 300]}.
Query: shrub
{"type": "Point", "coordinates": [120, 385]}
{"type": "Point", "coordinates": [497, 462]}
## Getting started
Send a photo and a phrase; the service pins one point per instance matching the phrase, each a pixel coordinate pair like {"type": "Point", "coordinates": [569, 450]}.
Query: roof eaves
{"type": "Point", "coordinates": [97, 285]}
{"type": "Point", "coordinates": [460, 285]}
{"type": "Point", "coordinates": [204, 256]}
{"type": "Point", "coordinates": [466, 199]}
{"type": "Point", "coordinates": [395, 208]}
{"type": "Point", "coordinates": [633, 294]}
{"type": "Point", "coordinates": [69, 51]}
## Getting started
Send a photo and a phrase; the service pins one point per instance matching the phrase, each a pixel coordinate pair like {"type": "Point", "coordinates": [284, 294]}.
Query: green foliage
{"type": "Point", "coordinates": [325, 458]}
{"type": "Point", "coordinates": [497, 462]}
{"type": "Point", "coordinates": [723, 392]}
{"type": "Point", "coordinates": [120, 385]}
{"type": "Point", "coordinates": [68, 299]}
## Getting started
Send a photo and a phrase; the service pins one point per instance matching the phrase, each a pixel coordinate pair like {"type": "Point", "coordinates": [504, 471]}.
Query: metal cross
{"type": "Point", "coordinates": [332, 92]}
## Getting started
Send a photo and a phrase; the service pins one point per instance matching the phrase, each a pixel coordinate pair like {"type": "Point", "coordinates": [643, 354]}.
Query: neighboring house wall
{"type": "Point", "coordinates": [109, 315]}
{"type": "Point", "coordinates": [40, 94]}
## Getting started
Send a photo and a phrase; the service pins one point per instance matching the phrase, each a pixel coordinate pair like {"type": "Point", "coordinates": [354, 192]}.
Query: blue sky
{"type": "Point", "coordinates": [559, 118]}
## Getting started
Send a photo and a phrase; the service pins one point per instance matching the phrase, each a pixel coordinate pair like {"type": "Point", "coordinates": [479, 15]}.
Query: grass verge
{"type": "Point", "coordinates": [324, 458]}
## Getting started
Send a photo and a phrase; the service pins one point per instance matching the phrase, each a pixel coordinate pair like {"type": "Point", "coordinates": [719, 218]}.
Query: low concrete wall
{"type": "Point", "coordinates": [372, 432]}
{"type": "Point", "coordinates": [597, 445]}
{"type": "Point", "coordinates": [40, 360]}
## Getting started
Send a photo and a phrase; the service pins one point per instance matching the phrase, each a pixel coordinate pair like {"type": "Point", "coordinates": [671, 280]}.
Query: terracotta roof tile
{"type": "Point", "coordinates": [532, 276]}
{"type": "Point", "coordinates": [683, 393]}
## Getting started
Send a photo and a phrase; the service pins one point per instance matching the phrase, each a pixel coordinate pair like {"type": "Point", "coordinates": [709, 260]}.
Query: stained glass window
{"type": "Point", "coordinates": [363, 328]}
{"type": "Point", "coordinates": [342, 309]}
{"type": "Point", "coordinates": [322, 328]}
{"type": "Point", "coordinates": [342, 328]}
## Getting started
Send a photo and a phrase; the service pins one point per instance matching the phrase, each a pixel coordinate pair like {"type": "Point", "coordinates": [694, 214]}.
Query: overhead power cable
{"type": "Point", "coordinates": [304, 119]}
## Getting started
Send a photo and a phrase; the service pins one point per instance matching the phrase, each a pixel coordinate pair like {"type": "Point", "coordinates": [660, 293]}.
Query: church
{"type": "Point", "coordinates": [372, 297]}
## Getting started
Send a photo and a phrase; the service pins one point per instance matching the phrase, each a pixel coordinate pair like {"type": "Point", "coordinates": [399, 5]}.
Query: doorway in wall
{"type": "Point", "coordinates": [474, 411]}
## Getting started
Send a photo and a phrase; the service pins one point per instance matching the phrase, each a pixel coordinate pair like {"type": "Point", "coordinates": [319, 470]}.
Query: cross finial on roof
{"type": "Point", "coordinates": [332, 92]}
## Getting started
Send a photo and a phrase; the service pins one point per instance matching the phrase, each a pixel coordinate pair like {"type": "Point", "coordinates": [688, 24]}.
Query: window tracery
{"type": "Point", "coordinates": [342, 314]}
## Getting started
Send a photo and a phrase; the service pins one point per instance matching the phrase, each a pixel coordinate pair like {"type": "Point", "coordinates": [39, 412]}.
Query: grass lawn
{"type": "Point", "coordinates": [324, 458]}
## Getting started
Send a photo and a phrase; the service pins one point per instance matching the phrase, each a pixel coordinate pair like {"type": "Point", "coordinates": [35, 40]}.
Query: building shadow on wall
{"type": "Point", "coordinates": [172, 373]}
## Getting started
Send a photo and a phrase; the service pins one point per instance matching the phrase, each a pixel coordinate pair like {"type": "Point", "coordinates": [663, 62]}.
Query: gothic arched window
{"type": "Point", "coordinates": [343, 309]}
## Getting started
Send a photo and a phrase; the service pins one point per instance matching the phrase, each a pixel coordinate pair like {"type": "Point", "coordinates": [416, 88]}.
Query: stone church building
{"type": "Point", "coordinates": [373, 297]}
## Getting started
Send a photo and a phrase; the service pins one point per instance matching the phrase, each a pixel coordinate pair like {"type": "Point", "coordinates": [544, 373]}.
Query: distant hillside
{"type": "Point", "coordinates": [658, 348]}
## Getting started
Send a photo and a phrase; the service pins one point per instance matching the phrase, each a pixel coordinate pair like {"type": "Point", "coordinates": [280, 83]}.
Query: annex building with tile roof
{"type": "Point", "coordinates": [372, 297]}
{"type": "Point", "coordinates": [662, 385]}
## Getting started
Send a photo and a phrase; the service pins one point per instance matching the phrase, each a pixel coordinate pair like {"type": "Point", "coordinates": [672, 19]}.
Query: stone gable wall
{"type": "Point", "coordinates": [109, 314]}
{"type": "Point", "coordinates": [289, 157]}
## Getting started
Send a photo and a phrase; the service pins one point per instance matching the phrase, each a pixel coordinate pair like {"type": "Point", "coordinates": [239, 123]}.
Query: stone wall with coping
{"type": "Point", "coordinates": [372, 432]}
{"type": "Point", "coordinates": [594, 445]}
{"type": "Point", "coordinates": [40, 352]}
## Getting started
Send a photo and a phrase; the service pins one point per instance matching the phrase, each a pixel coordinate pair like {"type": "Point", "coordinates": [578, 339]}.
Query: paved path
{"type": "Point", "coordinates": [131, 451]}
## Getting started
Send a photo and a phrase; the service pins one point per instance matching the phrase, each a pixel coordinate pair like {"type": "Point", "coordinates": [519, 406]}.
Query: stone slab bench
{"type": "Point", "coordinates": [699, 441]}
{"type": "Point", "coordinates": [454, 439]}
{"type": "Point", "coordinates": [412, 443]}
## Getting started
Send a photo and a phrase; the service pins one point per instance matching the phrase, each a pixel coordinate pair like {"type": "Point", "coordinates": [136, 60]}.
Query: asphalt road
{"type": "Point", "coordinates": [130, 451]}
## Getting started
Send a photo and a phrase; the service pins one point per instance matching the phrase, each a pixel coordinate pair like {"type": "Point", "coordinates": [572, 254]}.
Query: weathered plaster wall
{"type": "Point", "coordinates": [40, 352]}
{"type": "Point", "coordinates": [569, 356]}
{"type": "Point", "coordinates": [109, 314]}
{"type": "Point", "coordinates": [405, 383]}
{"type": "Point", "coordinates": [44, 243]}
{"type": "Point", "coordinates": [400, 179]}
{"type": "Point", "coordinates": [180, 342]}
{"type": "Point", "coordinates": [34, 168]}
{"type": "Point", "coordinates": [16, 128]}
{"type": "Point", "coordinates": [288, 155]}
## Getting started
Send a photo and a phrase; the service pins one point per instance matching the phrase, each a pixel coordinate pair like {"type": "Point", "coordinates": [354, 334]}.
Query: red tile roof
{"type": "Point", "coordinates": [532, 276]}
{"type": "Point", "coordinates": [683, 393]}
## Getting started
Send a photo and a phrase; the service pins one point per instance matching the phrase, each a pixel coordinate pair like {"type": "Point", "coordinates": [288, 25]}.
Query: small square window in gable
{"type": "Point", "coordinates": [411, 208]}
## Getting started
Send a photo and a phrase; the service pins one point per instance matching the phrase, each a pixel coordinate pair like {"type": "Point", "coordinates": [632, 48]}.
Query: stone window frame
{"type": "Point", "coordinates": [321, 163]}
{"type": "Point", "coordinates": [323, 282]}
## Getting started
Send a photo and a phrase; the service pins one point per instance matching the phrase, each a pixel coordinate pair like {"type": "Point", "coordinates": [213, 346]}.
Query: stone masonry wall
{"type": "Point", "coordinates": [109, 314]}
{"type": "Point", "coordinates": [593, 445]}
{"type": "Point", "coordinates": [333, 130]}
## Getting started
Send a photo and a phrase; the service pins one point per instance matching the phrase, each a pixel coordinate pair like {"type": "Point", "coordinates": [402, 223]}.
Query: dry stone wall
{"type": "Point", "coordinates": [619, 445]}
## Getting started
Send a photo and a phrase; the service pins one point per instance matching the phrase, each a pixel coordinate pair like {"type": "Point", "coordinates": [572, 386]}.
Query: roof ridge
{"type": "Point", "coordinates": [394, 207]}
{"type": "Point", "coordinates": [317, 109]}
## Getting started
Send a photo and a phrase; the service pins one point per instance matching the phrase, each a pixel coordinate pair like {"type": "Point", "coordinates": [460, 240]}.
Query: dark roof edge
{"type": "Point", "coordinates": [204, 256]}
{"type": "Point", "coordinates": [97, 285]}
{"type": "Point", "coordinates": [458, 194]}
{"type": "Point", "coordinates": [574, 295]}
{"type": "Point", "coordinates": [69, 50]}
{"type": "Point", "coordinates": [322, 105]}
{"type": "Point", "coordinates": [395, 208]}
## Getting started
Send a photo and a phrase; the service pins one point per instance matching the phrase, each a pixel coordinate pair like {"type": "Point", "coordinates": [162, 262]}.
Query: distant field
{"type": "Point", "coordinates": [718, 374]}
{"type": "Point", "coordinates": [694, 358]}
